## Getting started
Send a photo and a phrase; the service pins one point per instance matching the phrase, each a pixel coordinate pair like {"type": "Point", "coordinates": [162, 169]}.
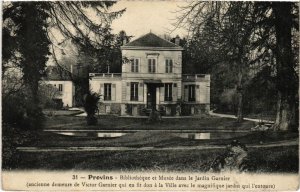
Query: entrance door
{"type": "Point", "coordinates": [151, 96]}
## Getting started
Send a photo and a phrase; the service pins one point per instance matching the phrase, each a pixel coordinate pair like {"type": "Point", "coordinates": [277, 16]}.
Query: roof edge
{"type": "Point", "coordinates": [151, 48]}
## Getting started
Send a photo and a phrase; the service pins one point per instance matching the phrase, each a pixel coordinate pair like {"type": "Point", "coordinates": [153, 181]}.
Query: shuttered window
{"type": "Point", "coordinates": [135, 65]}
{"type": "Point", "coordinates": [107, 92]}
{"type": "Point", "coordinates": [134, 91]}
{"type": "Point", "coordinates": [169, 65]}
{"type": "Point", "coordinates": [168, 91]}
{"type": "Point", "coordinates": [151, 65]}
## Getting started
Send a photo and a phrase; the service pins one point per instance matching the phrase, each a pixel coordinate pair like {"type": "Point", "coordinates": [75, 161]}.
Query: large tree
{"type": "Point", "coordinates": [32, 31]}
{"type": "Point", "coordinates": [250, 35]}
{"type": "Point", "coordinates": [225, 29]}
{"type": "Point", "coordinates": [287, 78]}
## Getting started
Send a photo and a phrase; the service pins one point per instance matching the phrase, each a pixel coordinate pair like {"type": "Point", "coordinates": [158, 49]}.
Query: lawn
{"type": "Point", "coordinates": [270, 159]}
{"type": "Point", "coordinates": [275, 159]}
{"type": "Point", "coordinates": [108, 122]}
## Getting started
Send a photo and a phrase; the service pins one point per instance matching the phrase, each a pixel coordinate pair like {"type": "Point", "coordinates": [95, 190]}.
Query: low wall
{"type": "Point", "coordinates": [194, 109]}
{"type": "Point", "coordinates": [164, 109]}
{"type": "Point", "coordinates": [110, 108]}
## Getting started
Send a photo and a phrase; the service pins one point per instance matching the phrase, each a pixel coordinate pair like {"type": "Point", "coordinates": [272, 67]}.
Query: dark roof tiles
{"type": "Point", "coordinates": [151, 40]}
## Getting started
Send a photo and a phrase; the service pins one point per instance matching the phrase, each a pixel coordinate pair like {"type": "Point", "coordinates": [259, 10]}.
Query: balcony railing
{"type": "Point", "coordinates": [106, 75]}
{"type": "Point", "coordinates": [195, 77]}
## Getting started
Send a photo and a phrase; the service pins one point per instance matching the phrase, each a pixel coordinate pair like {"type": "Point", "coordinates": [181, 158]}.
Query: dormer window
{"type": "Point", "coordinates": [169, 65]}
{"type": "Point", "coordinates": [151, 65]}
{"type": "Point", "coordinates": [134, 65]}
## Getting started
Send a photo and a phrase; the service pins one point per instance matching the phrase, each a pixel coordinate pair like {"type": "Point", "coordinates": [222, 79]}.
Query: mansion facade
{"type": "Point", "coordinates": [152, 79]}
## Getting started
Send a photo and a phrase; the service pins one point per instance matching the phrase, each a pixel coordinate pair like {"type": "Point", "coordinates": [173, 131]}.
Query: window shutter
{"type": "Point", "coordinates": [174, 93]}
{"type": "Point", "coordinates": [149, 65]}
{"type": "Point", "coordinates": [162, 94]}
{"type": "Point", "coordinates": [202, 91]}
{"type": "Point", "coordinates": [186, 93]}
{"type": "Point", "coordinates": [166, 65]}
{"type": "Point", "coordinates": [113, 92]}
{"type": "Point", "coordinates": [132, 65]}
{"type": "Point", "coordinates": [128, 91]}
{"type": "Point", "coordinates": [141, 92]}
{"type": "Point", "coordinates": [102, 90]}
{"type": "Point", "coordinates": [137, 65]}
{"type": "Point", "coordinates": [208, 92]}
{"type": "Point", "coordinates": [171, 66]}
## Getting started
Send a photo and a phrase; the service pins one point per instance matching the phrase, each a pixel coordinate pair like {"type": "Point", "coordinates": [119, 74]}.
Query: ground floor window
{"type": "Point", "coordinates": [107, 91]}
{"type": "Point", "coordinates": [134, 91]}
{"type": "Point", "coordinates": [191, 92]}
{"type": "Point", "coordinates": [168, 91]}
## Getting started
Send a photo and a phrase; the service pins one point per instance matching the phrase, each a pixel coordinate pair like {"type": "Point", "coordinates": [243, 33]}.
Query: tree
{"type": "Point", "coordinates": [225, 29]}
{"type": "Point", "coordinates": [251, 36]}
{"type": "Point", "coordinates": [279, 27]}
{"type": "Point", "coordinates": [47, 94]}
{"type": "Point", "coordinates": [28, 19]}
{"type": "Point", "coordinates": [287, 78]}
{"type": "Point", "coordinates": [31, 29]}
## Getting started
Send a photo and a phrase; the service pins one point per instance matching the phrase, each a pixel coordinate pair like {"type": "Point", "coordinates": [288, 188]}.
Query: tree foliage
{"type": "Point", "coordinates": [247, 37]}
{"type": "Point", "coordinates": [33, 31]}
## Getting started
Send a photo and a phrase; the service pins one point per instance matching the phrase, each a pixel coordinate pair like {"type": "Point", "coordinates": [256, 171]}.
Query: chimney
{"type": "Point", "coordinates": [177, 40]}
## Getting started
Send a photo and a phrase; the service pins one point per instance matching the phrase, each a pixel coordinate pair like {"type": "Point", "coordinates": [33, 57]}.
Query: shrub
{"type": "Point", "coordinates": [91, 107]}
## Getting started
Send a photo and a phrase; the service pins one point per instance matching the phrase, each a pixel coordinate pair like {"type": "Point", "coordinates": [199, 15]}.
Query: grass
{"type": "Point", "coordinates": [151, 139]}
{"type": "Point", "coordinates": [271, 159]}
{"type": "Point", "coordinates": [112, 122]}
{"type": "Point", "coordinates": [275, 159]}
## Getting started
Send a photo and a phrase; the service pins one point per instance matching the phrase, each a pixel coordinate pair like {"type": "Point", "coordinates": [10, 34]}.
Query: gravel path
{"type": "Point", "coordinates": [52, 149]}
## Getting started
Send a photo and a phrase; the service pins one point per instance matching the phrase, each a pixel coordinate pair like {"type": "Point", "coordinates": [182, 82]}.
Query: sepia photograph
{"type": "Point", "coordinates": [159, 95]}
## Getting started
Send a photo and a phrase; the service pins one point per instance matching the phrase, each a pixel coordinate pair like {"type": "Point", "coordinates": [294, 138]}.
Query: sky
{"type": "Point", "coordinates": [141, 16]}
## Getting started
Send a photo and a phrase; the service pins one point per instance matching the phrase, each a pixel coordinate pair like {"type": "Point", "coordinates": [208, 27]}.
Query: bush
{"type": "Point", "coordinates": [20, 110]}
{"type": "Point", "coordinates": [91, 107]}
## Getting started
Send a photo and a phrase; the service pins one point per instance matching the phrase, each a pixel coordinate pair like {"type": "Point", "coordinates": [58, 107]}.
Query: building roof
{"type": "Point", "coordinates": [56, 73]}
{"type": "Point", "coordinates": [152, 41]}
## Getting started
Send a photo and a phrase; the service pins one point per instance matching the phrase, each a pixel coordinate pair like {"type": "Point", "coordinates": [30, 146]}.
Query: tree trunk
{"type": "Point", "coordinates": [287, 82]}
{"type": "Point", "coordinates": [285, 116]}
{"type": "Point", "coordinates": [239, 88]}
{"type": "Point", "coordinates": [240, 97]}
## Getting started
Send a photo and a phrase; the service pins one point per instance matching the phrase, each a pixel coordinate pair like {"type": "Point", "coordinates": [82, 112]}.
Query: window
{"type": "Point", "coordinates": [168, 91]}
{"type": "Point", "coordinates": [107, 91]}
{"type": "Point", "coordinates": [134, 91]}
{"type": "Point", "coordinates": [191, 92]}
{"type": "Point", "coordinates": [151, 65]}
{"type": "Point", "coordinates": [135, 65]}
{"type": "Point", "coordinates": [169, 65]}
{"type": "Point", "coordinates": [60, 87]}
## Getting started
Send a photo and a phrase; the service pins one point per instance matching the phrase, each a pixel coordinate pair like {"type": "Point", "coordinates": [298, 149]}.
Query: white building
{"type": "Point", "coordinates": [61, 80]}
{"type": "Point", "coordinates": [152, 78]}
